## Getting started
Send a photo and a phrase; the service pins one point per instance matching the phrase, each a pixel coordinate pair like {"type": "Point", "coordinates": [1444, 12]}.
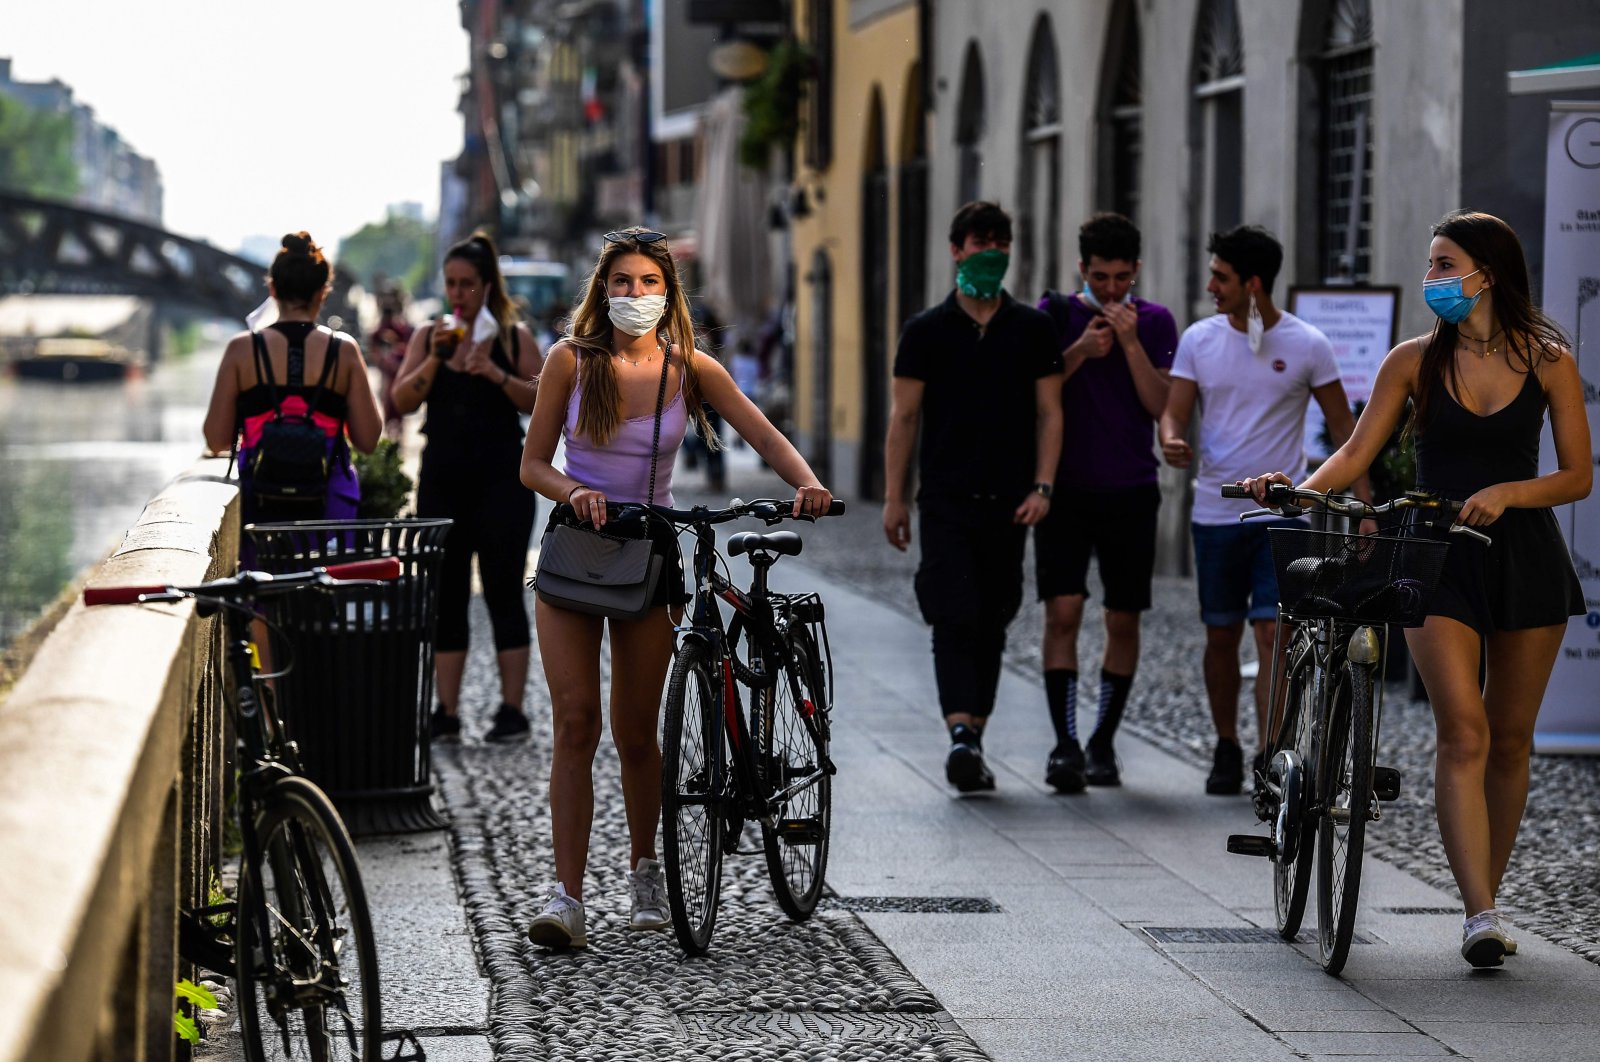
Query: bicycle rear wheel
{"type": "Point", "coordinates": [1346, 786]}
{"type": "Point", "coordinates": [792, 735]}
{"type": "Point", "coordinates": [1291, 876]}
{"type": "Point", "coordinates": [693, 780]}
{"type": "Point", "coordinates": [309, 987]}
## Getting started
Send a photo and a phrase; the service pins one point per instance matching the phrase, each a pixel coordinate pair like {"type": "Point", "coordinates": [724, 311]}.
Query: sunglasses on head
{"type": "Point", "coordinates": [643, 236]}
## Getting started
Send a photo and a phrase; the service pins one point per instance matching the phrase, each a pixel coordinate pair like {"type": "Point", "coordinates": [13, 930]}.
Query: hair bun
{"type": "Point", "coordinates": [299, 243]}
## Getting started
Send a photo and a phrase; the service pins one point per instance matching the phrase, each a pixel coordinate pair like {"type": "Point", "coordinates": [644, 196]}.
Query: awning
{"type": "Point", "coordinates": [1580, 73]}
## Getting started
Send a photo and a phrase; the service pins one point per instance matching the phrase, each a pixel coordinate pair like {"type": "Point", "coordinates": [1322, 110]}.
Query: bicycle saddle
{"type": "Point", "coordinates": [786, 543]}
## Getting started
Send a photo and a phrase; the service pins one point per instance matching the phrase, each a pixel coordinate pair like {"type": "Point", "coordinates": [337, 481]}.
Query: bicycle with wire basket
{"type": "Point", "coordinates": [725, 763]}
{"type": "Point", "coordinates": [1338, 593]}
{"type": "Point", "coordinates": [297, 937]}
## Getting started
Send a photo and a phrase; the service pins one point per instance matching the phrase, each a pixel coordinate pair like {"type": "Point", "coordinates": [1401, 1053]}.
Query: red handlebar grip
{"type": "Point", "coordinates": [118, 595]}
{"type": "Point", "coordinates": [383, 568]}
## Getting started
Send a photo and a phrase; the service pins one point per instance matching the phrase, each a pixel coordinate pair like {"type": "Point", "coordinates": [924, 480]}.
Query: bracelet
{"type": "Point", "coordinates": [575, 490]}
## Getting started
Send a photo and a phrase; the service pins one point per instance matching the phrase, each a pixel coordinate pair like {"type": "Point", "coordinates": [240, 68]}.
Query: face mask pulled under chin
{"type": "Point", "coordinates": [1088, 297]}
{"type": "Point", "coordinates": [1255, 328]}
{"type": "Point", "coordinates": [636, 315]}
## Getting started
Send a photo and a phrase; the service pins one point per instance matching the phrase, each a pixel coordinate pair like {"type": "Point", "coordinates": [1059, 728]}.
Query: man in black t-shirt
{"type": "Point", "coordinates": [981, 374]}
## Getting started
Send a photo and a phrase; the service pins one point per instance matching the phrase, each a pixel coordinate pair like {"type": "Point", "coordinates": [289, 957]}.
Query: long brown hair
{"type": "Point", "coordinates": [1530, 336]}
{"type": "Point", "coordinates": [478, 251]}
{"type": "Point", "coordinates": [589, 331]}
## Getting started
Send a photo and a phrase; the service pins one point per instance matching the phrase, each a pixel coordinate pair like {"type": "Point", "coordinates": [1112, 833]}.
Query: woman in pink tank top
{"type": "Point", "coordinates": [598, 394]}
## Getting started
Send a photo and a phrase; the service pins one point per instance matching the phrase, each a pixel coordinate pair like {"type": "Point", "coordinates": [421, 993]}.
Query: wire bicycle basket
{"type": "Point", "coordinates": [1372, 579]}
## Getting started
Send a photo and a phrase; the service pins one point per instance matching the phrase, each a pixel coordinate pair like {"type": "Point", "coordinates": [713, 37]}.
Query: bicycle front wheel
{"type": "Point", "coordinates": [307, 962]}
{"type": "Point", "coordinates": [1291, 876]}
{"type": "Point", "coordinates": [792, 735]}
{"type": "Point", "coordinates": [1346, 786]}
{"type": "Point", "coordinates": [693, 780]}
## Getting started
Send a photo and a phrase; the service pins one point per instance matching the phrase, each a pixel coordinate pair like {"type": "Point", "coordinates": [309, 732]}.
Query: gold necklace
{"type": "Point", "coordinates": [1460, 335]}
{"type": "Point", "coordinates": [642, 361]}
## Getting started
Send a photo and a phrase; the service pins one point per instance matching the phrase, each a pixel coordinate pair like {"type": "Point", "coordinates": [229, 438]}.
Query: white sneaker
{"type": "Point", "coordinates": [1505, 930]}
{"type": "Point", "coordinates": [560, 924]}
{"type": "Point", "coordinates": [1483, 943]}
{"type": "Point", "coordinates": [648, 895]}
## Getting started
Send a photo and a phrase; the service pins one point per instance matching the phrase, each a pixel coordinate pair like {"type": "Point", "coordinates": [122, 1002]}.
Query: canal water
{"type": "Point", "coordinates": [78, 462]}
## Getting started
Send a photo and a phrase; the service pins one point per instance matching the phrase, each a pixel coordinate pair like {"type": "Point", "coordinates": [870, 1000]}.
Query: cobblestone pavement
{"type": "Point", "coordinates": [1553, 883]}
{"type": "Point", "coordinates": [770, 989]}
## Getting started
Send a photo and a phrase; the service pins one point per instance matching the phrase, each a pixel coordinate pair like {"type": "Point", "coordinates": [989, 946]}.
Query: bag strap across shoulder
{"type": "Point", "coordinates": [655, 441]}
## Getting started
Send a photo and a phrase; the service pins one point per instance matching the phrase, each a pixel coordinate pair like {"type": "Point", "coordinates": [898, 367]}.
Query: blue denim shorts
{"type": "Point", "coordinates": [1233, 571]}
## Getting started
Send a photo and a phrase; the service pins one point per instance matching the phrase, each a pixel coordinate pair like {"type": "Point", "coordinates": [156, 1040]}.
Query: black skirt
{"type": "Point", "coordinates": [1523, 579]}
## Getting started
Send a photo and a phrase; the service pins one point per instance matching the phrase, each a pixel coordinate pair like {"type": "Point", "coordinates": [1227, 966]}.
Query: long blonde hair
{"type": "Point", "coordinates": [600, 406]}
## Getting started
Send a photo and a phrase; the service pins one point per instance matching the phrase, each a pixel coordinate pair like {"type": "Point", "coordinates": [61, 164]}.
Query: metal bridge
{"type": "Point", "coordinates": [52, 247]}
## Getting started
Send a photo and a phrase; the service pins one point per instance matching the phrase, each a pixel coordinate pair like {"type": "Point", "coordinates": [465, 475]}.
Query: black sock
{"type": "Point", "coordinates": [1061, 695]}
{"type": "Point", "coordinates": [963, 734]}
{"type": "Point", "coordinates": [1113, 698]}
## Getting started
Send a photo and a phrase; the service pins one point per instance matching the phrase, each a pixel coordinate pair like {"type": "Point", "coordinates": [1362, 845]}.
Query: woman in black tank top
{"type": "Point", "coordinates": [476, 393]}
{"type": "Point", "coordinates": [1481, 384]}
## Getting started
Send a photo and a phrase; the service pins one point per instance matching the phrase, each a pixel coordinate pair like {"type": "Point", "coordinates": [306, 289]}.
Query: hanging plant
{"type": "Point", "coordinates": [772, 102]}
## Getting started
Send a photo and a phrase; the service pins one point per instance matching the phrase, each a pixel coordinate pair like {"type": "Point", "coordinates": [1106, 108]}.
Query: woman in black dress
{"type": "Point", "coordinates": [476, 393]}
{"type": "Point", "coordinates": [1481, 383]}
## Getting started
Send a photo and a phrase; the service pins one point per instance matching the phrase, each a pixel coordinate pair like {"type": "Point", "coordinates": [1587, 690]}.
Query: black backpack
{"type": "Point", "coordinates": [288, 468]}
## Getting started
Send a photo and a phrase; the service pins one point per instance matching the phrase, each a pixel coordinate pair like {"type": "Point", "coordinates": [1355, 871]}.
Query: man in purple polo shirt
{"type": "Point", "coordinates": [1117, 349]}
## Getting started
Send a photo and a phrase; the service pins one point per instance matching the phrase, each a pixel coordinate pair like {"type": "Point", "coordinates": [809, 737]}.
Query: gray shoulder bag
{"type": "Point", "coordinates": [586, 570]}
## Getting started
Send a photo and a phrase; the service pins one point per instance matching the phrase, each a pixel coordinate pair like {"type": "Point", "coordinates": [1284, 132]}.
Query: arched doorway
{"type": "Point", "coordinates": [874, 304]}
{"type": "Point", "coordinates": [969, 128]}
{"type": "Point", "coordinates": [1216, 136]}
{"type": "Point", "coordinates": [821, 449]}
{"type": "Point", "coordinates": [912, 205]}
{"type": "Point", "coordinates": [1119, 116]}
{"type": "Point", "coordinates": [1038, 235]}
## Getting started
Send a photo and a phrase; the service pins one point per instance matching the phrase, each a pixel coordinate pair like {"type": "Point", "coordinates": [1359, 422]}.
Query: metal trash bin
{"type": "Point", "coordinates": [358, 696]}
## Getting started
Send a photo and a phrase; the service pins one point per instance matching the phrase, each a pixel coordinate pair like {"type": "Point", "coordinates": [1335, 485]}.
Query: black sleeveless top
{"type": "Point", "coordinates": [1525, 577]}
{"type": "Point", "coordinates": [258, 399]}
{"type": "Point", "coordinates": [472, 427]}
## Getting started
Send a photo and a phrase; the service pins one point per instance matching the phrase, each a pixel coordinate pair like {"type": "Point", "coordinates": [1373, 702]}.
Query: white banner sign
{"type": "Point", "coordinates": [1570, 718]}
{"type": "Point", "coordinates": [1359, 322]}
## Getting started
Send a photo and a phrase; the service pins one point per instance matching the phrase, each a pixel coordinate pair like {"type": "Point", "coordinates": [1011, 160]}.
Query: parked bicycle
{"type": "Point", "coordinates": [1338, 594]}
{"type": "Point", "coordinates": [297, 937]}
{"type": "Point", "coordinates": [766, 761]}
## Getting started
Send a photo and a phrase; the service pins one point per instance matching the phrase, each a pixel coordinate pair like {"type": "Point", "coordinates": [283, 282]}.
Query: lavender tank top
{"type": "Point", "coordinates": [621, 468]}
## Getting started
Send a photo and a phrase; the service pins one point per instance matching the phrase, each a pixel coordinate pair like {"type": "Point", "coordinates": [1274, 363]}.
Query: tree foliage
{"type": "Point", "coordinates": [36, 151]}
{"type": "Point", "coordinates": [400, 248]}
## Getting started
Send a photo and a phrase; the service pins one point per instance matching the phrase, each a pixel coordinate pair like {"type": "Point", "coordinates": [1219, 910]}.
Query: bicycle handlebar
{"type": "Point", "coordinates": [1286, 498]}
{"type": "Point", "coordinates": [248, 585]}
{"type": "Point", "coordinates": [771, 510]}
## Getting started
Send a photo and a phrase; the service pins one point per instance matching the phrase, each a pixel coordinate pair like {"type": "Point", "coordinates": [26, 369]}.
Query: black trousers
{"type": "Point", "coordinates": [969, 587]}
{"type": "Point", "coordinates": [494, 519]}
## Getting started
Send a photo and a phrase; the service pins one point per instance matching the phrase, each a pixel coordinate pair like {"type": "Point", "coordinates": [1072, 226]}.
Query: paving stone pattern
{"type": "Point", "coordinates": [770, 989]}
{"type": "Point", "coordinates": [1553, 883]}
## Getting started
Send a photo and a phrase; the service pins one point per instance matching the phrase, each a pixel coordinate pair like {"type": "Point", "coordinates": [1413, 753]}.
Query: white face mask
{"type": "Point", "coordinates": [636, 316]}
{"type": "Point", "coordinates": [1255, 328]}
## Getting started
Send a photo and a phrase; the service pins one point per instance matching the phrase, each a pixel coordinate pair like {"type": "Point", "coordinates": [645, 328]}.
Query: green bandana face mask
{"type": "Point", "coordinates": [978, 276]}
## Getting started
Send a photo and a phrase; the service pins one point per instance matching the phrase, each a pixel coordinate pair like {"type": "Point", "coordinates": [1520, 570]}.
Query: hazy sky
{"type": "Point", "coordinates": [263, 117]}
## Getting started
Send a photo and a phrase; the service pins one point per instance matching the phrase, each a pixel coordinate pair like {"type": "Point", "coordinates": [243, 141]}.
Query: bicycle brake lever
{"type": "Point", "coordinates": [1463, 529]}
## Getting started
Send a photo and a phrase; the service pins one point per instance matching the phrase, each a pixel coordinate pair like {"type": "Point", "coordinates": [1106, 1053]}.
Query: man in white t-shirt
{"type": "Point", "coordinates": [1252, 369]}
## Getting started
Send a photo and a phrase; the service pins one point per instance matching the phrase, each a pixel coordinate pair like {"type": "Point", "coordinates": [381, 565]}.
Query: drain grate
{"type": "Point", "coordinates": [914, 904]}
{"type": "Point", "coordinates": [812, 1025]}
{"type": "Point", "coordinates": [1228, 935]}
{"type": "Point", "coordinates": [1421, 910]}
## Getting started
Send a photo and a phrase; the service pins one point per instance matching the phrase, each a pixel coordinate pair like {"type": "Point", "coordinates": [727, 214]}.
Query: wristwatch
{"type": "Point", "coordinates": [1044, 490]}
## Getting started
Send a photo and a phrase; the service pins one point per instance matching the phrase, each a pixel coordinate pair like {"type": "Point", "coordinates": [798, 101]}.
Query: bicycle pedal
{"type": "Point", "coordinates": [1385, 783]}
{"type": "Point", "coordinates": [1251, 844]}
{"type": "Point", "coordinates": [800, 831]}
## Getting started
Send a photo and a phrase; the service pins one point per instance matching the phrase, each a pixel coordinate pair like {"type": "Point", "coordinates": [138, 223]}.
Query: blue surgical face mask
{"type": "Point", "coordinates": [1444, 297]}
{"type": "Point", "coordinates": [1088, 297]}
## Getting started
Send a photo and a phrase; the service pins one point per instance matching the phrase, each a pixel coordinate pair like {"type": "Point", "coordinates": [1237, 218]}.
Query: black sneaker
{"type": "Point", "coordinates": [443, 727]}
{"type": "Point", "coordinates": [509, 725]}
{"type": "Point", "coordinates": [1227, 769]}
{"type": "Point", "coordinates": [1102, 768]}
{"type": "Point", "coordinates": [1064, 770]}
{"type": "Point", "coordinates": [964, 767]}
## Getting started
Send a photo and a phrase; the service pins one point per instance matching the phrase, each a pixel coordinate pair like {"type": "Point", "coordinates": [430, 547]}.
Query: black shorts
{"type": "Point", "coordinates": [1117, 527]}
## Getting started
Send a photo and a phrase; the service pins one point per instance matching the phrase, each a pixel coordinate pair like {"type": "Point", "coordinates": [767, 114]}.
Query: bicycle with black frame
{"type": "Point", "coordinates": [723, 762]}
{"type": "Point", "coordinates": [297, 937]}
{"type": "Point", "coordinates": [1338, 594]}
